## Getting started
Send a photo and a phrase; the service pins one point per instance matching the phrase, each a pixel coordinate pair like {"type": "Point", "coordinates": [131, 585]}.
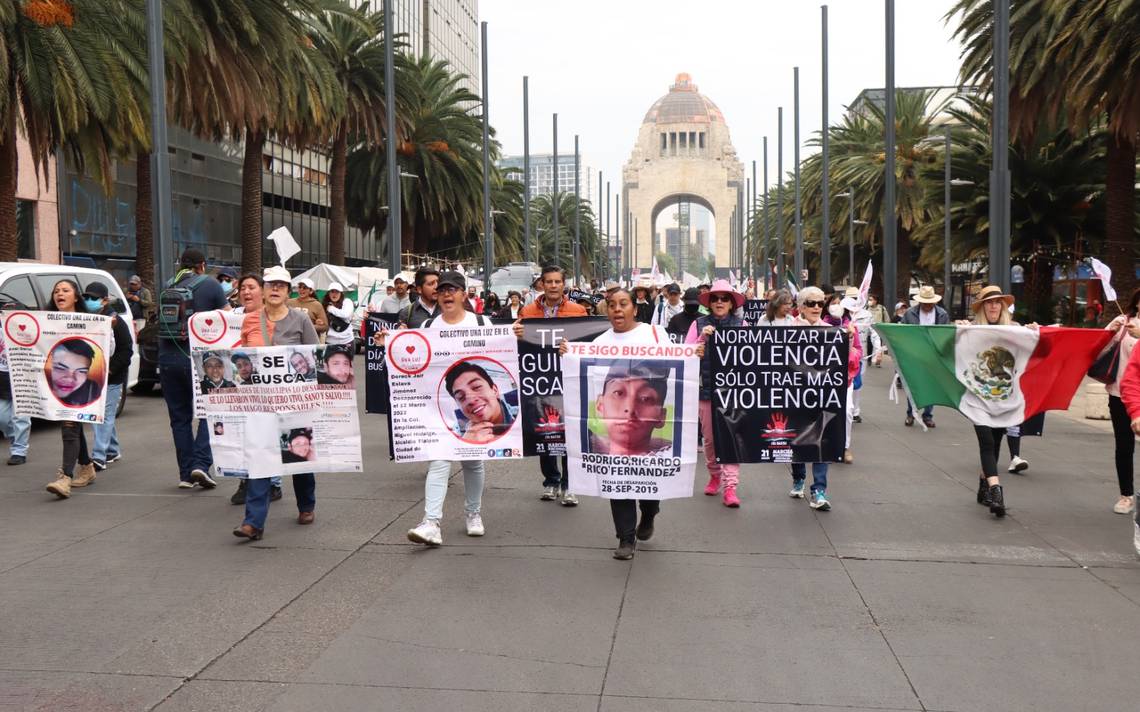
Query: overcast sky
{"type": "Point", "coordinates": [600, 64]}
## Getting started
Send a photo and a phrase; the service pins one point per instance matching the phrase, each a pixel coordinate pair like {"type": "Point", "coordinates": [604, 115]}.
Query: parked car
{"type": "Point", "coordinates": [30, 284]}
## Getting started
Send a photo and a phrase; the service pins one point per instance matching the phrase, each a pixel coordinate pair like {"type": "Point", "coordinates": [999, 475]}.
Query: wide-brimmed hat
{"type": "Point", "coordinates": [276, 274]}
{"type": "Point", "coordinates": [989, 293]}
{"type": "Point", "coordinates": [926, 295]}
{"type": "Point", "coordinates": [722, 286]}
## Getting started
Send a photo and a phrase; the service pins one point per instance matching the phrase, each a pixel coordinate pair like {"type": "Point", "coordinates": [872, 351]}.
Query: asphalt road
{"type": "Point", "coordinates": [133, 595]}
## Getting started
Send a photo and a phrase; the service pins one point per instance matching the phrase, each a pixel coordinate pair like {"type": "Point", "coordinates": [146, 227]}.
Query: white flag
{"type": "Point", "coordinates": [283, 241]}
{"type": "Point", "coordinates": [865, 285]}
{"type": "Point", "coordinates": [1102, 271]}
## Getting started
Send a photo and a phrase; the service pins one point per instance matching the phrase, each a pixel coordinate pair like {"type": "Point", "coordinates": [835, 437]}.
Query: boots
{"type": "Point", "coordinates": [983, 492]}
{"type": "Point", "coordinates": [730, 498]}
{"type": "Point", "coordinates": [997, 501]}
{"type": "Point", "coordinates": [625, 550]}
{"type": "Point", "coordinates": [713, 486]}
{"type": "Point", "coordinates": [84, 475]}
{"type": "Point", "coordinates": [60, 486]}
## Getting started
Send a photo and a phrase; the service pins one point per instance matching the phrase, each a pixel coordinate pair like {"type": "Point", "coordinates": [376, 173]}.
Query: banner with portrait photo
{"type": "Point", "coordinates": [216, 330]}
{"type": "Point", "coordinates": [540, 377]}
{"type": "Point", "coordinates": [454, 393]}
{"type": "Point", "coordinates": [375, 363]}
{"type": "Point", "coordinates": [58, 363]}
{"type": "Point", "coordinates": [779, 393]}
{"type": "Point", "coordinates": [631, 419]}
{"type": "Point", "coordinates": [294, 412]}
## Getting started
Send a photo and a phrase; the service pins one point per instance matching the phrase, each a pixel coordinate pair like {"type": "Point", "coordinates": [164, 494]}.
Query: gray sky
{"type": "Point", "coordinates": [601, 64]}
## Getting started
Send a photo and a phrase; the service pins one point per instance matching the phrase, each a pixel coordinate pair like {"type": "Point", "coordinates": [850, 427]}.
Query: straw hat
{"type": "Point", "coordinates": [722, 286]}
{"type": "Point", "coordinates": [988, 293]}
{"type": "Point", "coordinates": [926, 295]}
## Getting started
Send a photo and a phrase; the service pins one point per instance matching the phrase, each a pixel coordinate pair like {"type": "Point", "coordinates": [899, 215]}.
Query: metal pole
{"type": "Point", "coordinates": [554, 198]}
{"type": "Point", "coordinates": [608, 258]}
{"type": "Point", "coordinates": [780, 196]}
{"type": "Point", "coordinates": [851, 236]}
{"type": "Point", "coordinates": [617, 226]}
{"type": "Point", "coordinates": [526, 168]}
{"type": "Point", "coordinates": [488, 228]}
{"type": "Point", "coordinates": [159, 155]}
{"type": "Point", "coordinates": [799, 257]}
{"type": "Point", "coordinates": [601, 234]}
{"type": "Point", "coordinates": [742, 201]}
{"type": "Point", "coordinates": [577, 216]}
{"type": "Point", "coordinates": [825, 229]}
{"type": "Point", "coordinates": [890, 221]}
{"type": "Point", "coordinates": [999, 176]}
{"type": "Point", "coordinates": [946, 223]}
{"type": "Point", "coordinates": [395, 230]}
{"type": "Point", "coordinates": [752, 210]}
{"type": "Point", "coordinates": [767, 233]}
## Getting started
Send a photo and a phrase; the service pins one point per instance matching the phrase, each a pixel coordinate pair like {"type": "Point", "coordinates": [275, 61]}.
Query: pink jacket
{"type": "Point", "coordinates": [1130, 385]}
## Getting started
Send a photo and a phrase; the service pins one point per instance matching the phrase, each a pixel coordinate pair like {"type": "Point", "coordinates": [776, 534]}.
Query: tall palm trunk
{"type": "Point", "coordinates": [1120, 215]}
{"type": "Point", "coordinates": [9, 171]}
{"type": "Point", "coordinates": [251, 201]}
{"type": "Point", "coordinates": [336, 194]}
{"type": "Point", "coordinates": [144, 223]}
{"type": "Point", "coordinates": [1039, 288]}
{"type": "Point", "coordinates": [905, 262]}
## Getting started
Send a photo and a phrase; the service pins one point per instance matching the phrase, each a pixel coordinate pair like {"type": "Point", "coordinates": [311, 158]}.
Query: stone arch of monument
{"type": "Point", "coordinates": [683, 152]}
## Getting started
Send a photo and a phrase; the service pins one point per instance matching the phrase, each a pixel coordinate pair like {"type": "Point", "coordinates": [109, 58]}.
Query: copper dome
{"type": "Point", "coordinates": [683, 105]}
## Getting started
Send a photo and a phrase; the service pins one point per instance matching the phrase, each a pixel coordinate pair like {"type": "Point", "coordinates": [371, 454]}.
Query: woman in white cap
{"type": "Point", "coordinates": [339, 309]}
{"type": "Point", "coordinates": [307, 300]}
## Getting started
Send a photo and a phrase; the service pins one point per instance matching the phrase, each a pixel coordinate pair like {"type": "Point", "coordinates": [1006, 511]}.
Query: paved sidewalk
{"type": "Point", "coordinates": [133, 595]}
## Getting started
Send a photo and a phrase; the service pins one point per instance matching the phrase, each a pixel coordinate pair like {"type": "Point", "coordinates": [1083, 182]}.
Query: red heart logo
{"type": "Point", "coordinates": [209, 322]}
{"type": "Point", "coordinates": [410, 349]}
{"type": "Point", "coordinates": [23, 326]}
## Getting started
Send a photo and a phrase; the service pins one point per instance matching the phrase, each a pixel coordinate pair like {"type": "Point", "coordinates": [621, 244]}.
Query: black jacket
{"type": "Point", "coordinates": [120, 362]}
{"type": "Point", "coordinates": [679, 325]}
{"type": "Point", "coordinates": [415, 315]}
{"type": "Point", "coordinates": [706, 388]}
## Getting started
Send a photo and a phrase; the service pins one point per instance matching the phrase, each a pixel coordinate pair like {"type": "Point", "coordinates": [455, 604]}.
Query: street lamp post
{"type": "Point", "coordinates": [779, 194]}
{"type": "Point", "coordinates": [577, 216]}
{"type": "Point", "coordinates": [554, 198]}
{"type": "Point", "coordinates": [394, 201]}
{"type": "Point", "coordinates": [752, 209]}
{"type": "Point", "coordinates": [999, 176]}
{"type": "Point", "coordinates": [946, 221]}
{"type": "Point", "coordinates": [890, 243]}
{"type": "Point", "coordinates": [825, 228]}
{"type": "Point", "coordinates": [799, 256]}
{"type": "Point", "coordinates": [526, 169]}
{"type": "Point", "coordinates": [767, 233]}
{"type": "Point", "coordinates": [602, 237]}
{"type": "Point", "coordinates": [850, 195]}
{"type": "Point", "coordinates": [488, 227]}
{"type": "Point", "coordinates": [161, 205]}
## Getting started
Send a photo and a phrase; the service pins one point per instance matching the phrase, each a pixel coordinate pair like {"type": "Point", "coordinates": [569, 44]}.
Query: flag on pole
{"type": "Point", "coordinates": [790, 276]}
{"type": "Point", "coordinates": [655, 272]}
{"type": "Point", "coordinates": [865, 285]}
{"type": "Point", "coordinates": [997, 376]}
{"type": "Point", "coordinates": [1102, 271]}
{"type": "Point", "coordinates": [284, 243]}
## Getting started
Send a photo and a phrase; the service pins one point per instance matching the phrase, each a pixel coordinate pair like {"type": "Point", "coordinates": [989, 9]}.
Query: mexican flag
{"type": "Point", "coordinates": [995, 375]}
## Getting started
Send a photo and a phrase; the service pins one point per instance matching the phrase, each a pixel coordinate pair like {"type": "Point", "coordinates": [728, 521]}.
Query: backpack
{"type": "Point", "coordinates": [176, 306]}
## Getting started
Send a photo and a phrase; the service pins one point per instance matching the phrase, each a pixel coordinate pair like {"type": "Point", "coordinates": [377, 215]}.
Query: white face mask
{"type": "Point", "coordinates": [835, 310]}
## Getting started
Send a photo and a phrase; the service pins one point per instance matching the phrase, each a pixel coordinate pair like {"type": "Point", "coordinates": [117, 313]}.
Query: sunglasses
{"type": "Point", "coordinates": [448, 289]}
{"type": "Point", "coordinates": [719, 298]}
{"type": "Point", "coordinates": [813, 304]}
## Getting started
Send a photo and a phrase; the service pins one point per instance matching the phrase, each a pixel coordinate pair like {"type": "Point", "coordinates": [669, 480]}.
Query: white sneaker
{"type": "Point", "coordinates": [1136, 537]}
{"type": "Point", "coordinates": [797, 489]}
{"type": "Point", "coordinates": [183, 484]}
{"type": "Point", "coordinates": [200, 477]}
{"type": "Point", "coordinates": [549, 494]}
{"type": "Point", "coordinates": [475, 524]}
{"type": "Point", "coordinates": [1018, 465]}
{"type": "Point", "coordinates": [569, 499]}
{"type": "Point", "coordinates": [1124, 505]}
{"type": "Point", "coordinates": [426, 532]}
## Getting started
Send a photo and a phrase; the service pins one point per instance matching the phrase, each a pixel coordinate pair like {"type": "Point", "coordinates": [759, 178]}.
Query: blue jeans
{"type": "Point", "coordinates": [192, 450]}
{"type": "Point", "coordinates": [106, 437]}
{"type": "Point", "coordinates": [16, 428]}
{"type": "Point", "coordinates": [818, 474]}
{"type": "Point", "coordinates": [257, 497]}
{"type": "Point", "coordinates": [927, 412]}
{"type": "Point", "coordinates": [435, 487]}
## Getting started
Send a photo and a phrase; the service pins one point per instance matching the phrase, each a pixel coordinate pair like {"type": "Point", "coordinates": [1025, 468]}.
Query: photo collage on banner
{"type": "Point", "coordinates": [58, 363]}
{"type": "Point", "coordinates": [779, 393]}
{"type": "Point", "coordinates": [631, 419]}
{"type": "Point", "coordinates": [295, 410]}
{"type": "Point", "coordinates": [454, 393]}
{"type": "Point", "coordinates": [211, 331]}
{"type": "Point", "coordinates": [540, 376]}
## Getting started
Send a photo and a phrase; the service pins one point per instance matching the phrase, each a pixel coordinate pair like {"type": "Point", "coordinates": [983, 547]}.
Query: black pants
{"type": "Point", "coordinates": [989, 447]}
{"type": "Point", "coordinates": [550, 475]}
{"type": "Point", "coordinates": [1125, 444]}
{"type": "Point", "coordinates": [625, 515]}
{"type": "Point", "coordinates": [74, 447]}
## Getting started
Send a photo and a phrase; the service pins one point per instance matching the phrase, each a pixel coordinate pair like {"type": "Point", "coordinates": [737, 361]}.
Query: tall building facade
{"type": "Point", "coordinates": [450, 30]}
{"type": "Point", "coordinates": [542, 174]}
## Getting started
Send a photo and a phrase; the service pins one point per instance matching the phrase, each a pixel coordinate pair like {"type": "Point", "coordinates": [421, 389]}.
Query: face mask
{"type": "Point", "coordinates": [94, 305]}
{"type": "Point", "coordinates": [227, 287]}
{"type": "Point", "coordinates": [835, 310]}
{"type": "Point", "coordinates": [691, 308]}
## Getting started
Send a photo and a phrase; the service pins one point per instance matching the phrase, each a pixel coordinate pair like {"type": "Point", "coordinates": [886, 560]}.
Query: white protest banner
{"type": "Point", "coordinates": [216, 330]}
{"type": "Point", "coordinates": [631, 419]}
{"type": "Point", "coordinates": [454, 393]}
{"type": "Point", "coordinates": [295, 412]}
{"type": "Point", "coordinates": [58, 363]}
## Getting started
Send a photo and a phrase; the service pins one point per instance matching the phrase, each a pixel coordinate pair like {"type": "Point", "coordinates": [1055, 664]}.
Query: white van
{"type": "Point", "coordinates": [30, 283]}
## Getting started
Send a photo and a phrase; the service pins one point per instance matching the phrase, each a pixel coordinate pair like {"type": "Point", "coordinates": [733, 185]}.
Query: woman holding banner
{"type": "Point", "coordinates": [840, 312]}
{"type": "Point", "coordinates": [722, 301]}
{"type": "Point", "coordinates": [625, 329]}
{"type": "Point", "coordinates": [276, 324]}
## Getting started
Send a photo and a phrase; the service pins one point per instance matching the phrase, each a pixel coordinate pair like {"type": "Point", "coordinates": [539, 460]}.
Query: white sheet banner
{"type": "Point", "coordinates": [631, 419]}
{"type": "Point", "coordinates": [58, 363]}
{"type": "Point", "coordinates": [454, 394]}
{"type": "Point", "coordinates": [217, 330]}
{"type": "Point", "coordinates": [294, 412]}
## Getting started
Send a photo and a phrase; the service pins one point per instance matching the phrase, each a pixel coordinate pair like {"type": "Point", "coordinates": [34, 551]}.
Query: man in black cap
{"type": "Point", "coordinates": [177, 381]}
{"type": "Point", "coordinates": [215, 373]}
{"type": "Point", "coordinates": [665, 310]}
{"type": "Point", "coordinates": [678, 326]}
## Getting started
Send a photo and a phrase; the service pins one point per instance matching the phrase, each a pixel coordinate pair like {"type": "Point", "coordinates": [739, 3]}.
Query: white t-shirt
{"type": "Point", "coordinates": [926, 318]}
{"type": "Point", "coordinates": [640, 334]}
{"type": "Point", "coordinates": [469, 319]}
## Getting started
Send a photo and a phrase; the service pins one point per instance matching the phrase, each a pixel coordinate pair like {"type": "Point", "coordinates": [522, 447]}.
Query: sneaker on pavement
{"type": "Point", "coordinates": [819, 501]}
{"type": "Point", "coordinates": [99, 465]}
{"type": "Point", "coordinates": [426, 532]}
{"type": "Point", "coordinates": [1124, 505]}
{"type": "Point", "coordinates": [569, 499]}
{"type": "Point", "coordinates": [185, 484]}
{"type": "Point", "coordinates": [625, 550]}
{"type": "Point", "coordinates": [17, 459]}
{"type": "Point", "coordinates": [475, 525]}
{"type": "Point", "coordinates": [797, 489]}
{"type": "Point", "coordinates": [1018, 465]}
{"type": "Point", "coordinates": [114, 458]}
{"type": "Point", "coordinates": [202, 479]}
{"type": "Point", "coordinates": [549, 494]}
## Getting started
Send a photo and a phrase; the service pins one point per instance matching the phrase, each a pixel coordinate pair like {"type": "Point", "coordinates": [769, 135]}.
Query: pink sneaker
{"type": "Point", "coordinates": [713, 486]}
{"type": "Point", "coordinates": [730, 498]}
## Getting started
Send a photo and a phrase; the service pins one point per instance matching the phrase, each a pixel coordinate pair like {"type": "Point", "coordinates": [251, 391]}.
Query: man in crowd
{"type": "Point", "coordinates": [227, 278]}
{"type": "Point", "coordinates": [307, 300]}
{"type": "Point", "coordinates": [425, 307]}
{"type": "Point", "coordinates": [474, 301]}
{"type": "Point", "coordinates": [925, 312]}
{"type": "Point", "coordinates": [552, 304]}
{"type": "Point", "coordinates": [397, 300]}
{"type": "Point", "coordinates": [139, 301]}
{"type": "Point", "coordinates": [664, 311]}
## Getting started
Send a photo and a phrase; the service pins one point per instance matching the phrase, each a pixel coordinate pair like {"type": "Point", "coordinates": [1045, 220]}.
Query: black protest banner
{"type": "Point", "coordinates": [779, 393]}
{"type": "Point", "coordinates": [540, 378]}
{"type": "Point", "coordinates": [375, 374]}
{"type": "Point", "coordinates": [754, 309]}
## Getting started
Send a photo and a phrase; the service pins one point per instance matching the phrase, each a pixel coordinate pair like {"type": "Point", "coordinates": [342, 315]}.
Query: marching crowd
{"type": "Point", "coordinates": [643, 314]}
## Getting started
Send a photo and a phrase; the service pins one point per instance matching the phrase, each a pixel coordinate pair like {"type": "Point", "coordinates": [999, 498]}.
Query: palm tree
{"type": "Point", "coordinates": [1076, 62]}
{"type": "Point", "coordinates": [543, 248]}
